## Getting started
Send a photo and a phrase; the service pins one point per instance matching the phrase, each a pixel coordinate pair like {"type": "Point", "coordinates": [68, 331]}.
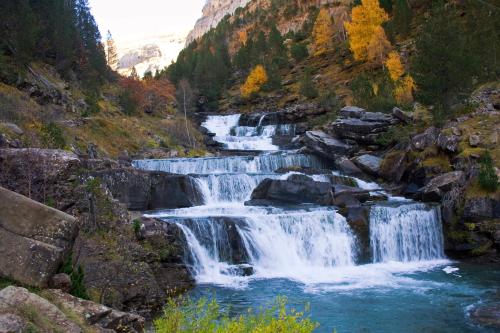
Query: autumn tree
{"type": "Point", "coordinates": [394, 66]}
{"type": "Point", "coordinates": [256, 79]}
{"type": "Point", "coordinates": [379, 47]}
{"type": "Point", "coordinates": [111, 54]}
{"type": "Point", "coordinates": [367, 18]}
{"type": "Point", "coordinates": [322, 33]}
{"type": "Point", "coordinates": [404, 85]}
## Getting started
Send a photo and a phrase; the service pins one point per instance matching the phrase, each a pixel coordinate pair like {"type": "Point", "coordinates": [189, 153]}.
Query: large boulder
{"type": "Point", "coordinates": [438, 186]}
{"type": "Point", "coordinates": [425, 139]}
{"type": "Point", "coordinates": [361, 131]}
{"type": "Point", "coordinates": [34, 239]}
{"type": "Point", "coordinates": [358, 218]}
{"type": "Point", "coordinates": [148, 190]}
{"type": "Point", "coordinates": [296, 189]}
{"type": "Point", "coordinates": [369, 163]}
{"type": "Point", "coordinates": [323, 145]}
{"type": "Point", "coordinates": [477, 208]}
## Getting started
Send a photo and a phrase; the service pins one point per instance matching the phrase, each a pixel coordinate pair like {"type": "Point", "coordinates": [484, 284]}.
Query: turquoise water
{"type": "Point", "coordinates": [388, 300]}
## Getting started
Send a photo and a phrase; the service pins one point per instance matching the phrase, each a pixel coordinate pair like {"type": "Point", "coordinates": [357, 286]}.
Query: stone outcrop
{"type": "Point", "coordinates": [437, 187]}
{"type": "Point", "coordinates": [326, 146]}
{"type": "Point", "coordinates": [296, 189]}
{"type": "Point", "coordinates": [148, 190]}
{"type": "Point", "coordinates": [34, 239]}
{"type": "Point", "coordinates": [368, 163]}
{"type": "Point", "coordinates": [213, 12]}
{"type": "Point", "coordinates": [55, 311]}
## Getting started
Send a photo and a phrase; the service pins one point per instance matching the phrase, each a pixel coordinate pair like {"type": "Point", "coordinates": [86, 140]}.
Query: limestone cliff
{"type": "Point", "coordinates": [213, 12]}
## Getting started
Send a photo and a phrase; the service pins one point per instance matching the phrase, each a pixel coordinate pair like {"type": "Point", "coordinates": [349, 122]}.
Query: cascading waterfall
{"type": "Point", "coordinates": [307, 244]}
{"type": "Point", "coordinates": [408, 232]}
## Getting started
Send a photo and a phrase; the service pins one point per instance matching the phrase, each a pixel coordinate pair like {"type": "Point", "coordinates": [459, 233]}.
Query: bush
{"type": "Point", "coordinates": [206, 317]}
{"type": "Point", "coordinates": [52, 136]}
{"type": "Point", "coordinates": [307, 88]}
{"type": "Point", "coordinates": [329, 101]}
{"type": "Point", "coordinates": [77, 276]}
{"type": "Point", "coordinates": [488, 179]}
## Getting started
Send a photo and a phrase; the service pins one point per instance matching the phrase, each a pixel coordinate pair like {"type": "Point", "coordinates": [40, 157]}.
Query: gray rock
{"type": "Point", "coordinates": [368, 163]}
{"type": "Point", "coordinates": [347, 167]}
{"type": "Point", "coordinates": [480, 208]}
{"type": "Point", "coordinates": [351, 112]}
{"type": "Point", "coordinates": [474, 140]}
{"type": "Point", "coordinates": [296, 189]}
{"type": "Point", "coordinates": [325, 146]}
{"type": "Point", "coordinates": [425, 139]}
{"type": "Point", "coordinates": [438, 186]}
{"type": "Point", "coordinates": [448, 142]}
{"type": "Point", "coordinates": [13, 128]}
{"type": "Point", "coordinates": [34, 239]}
{"type": "Point", "coordinates": [406, 117]}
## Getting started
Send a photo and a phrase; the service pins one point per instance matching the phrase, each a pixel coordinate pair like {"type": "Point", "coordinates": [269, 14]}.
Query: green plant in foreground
{"type": "Point", "coordinates": [488, 179]}
{"type": "Point", "coordinates": [205, 316]}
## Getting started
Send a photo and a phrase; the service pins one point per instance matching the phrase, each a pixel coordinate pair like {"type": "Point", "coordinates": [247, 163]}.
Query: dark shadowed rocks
{"type": "Point", "coordinates": [326, 146]}
{"type": "Point", "coordinates": [438, 186]}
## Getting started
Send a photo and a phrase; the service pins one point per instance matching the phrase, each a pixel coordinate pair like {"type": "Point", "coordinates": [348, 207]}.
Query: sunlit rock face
{"type": "Point", "coordinates": [213, 12]}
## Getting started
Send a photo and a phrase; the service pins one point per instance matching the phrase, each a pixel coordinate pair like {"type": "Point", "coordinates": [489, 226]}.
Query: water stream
{"type": "Point", "coordinates": [305, 252]}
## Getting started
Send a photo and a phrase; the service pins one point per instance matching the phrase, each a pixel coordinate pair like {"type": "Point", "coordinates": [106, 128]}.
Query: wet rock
{"type": "Point", "coordinates": [301, 169]}
{"type": "Point", "coordinates": [487, 315]}
{"type": "Point", "coordinates": [296, 189]}
{"type": "Point", "coordinates": [148, 190]}
{"type": "Point", "coordinates": [326, 146]}
{"type": "Point", "coordinates": [347, 167]}
{"type": "Point", "coordinates": [425, 139]}
{"type": "Point", "coordinates": [438, 186]}
{"type": "Point", "coordinates": [368, 163]}
{"type": "Point", "coordinates": [34, 239]}
{"type": "Point", "coordinates": [358, 218]}
{"type": "Point", "coordinates": [61, 281]}
{"type": "Point", "coordinates": [394, 165]}
{"type": "Point", "coordinates": [355, 192]}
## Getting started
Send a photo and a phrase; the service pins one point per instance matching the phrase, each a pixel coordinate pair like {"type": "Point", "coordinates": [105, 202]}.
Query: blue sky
{"type": "Point", "coordinates": [130, 19]}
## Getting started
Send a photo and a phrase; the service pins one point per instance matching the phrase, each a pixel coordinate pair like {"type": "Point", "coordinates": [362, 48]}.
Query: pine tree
{"type": "Point", "coordinates": [133, 74]}
{"type": "Point", "coordinates": [307, 87]}
{"type": "Point", "coordinates": [402, 17]}
{"type": "Point", "coordinates": [111, 54]}
{"type": "Point", "coordinates": [366, 19]}
{"type": "Point", "coordinates": [322, 33]}
{"type": "Point", "coordinates": [256, 79]}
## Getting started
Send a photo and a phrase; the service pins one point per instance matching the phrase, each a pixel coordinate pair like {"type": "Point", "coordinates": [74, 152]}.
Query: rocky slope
{"type": "Point", "coordinates": [213, 12]}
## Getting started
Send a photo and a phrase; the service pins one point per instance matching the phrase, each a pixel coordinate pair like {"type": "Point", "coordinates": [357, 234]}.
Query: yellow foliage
{"type": "Point", "coordinates": [255, 80]}
{"type": "Point", "coordinates": [366, 18]}
{"type": "Point", "coordinates": [403, 93]}
{"type": "Point", "coordinates": [394, 66]}
{"type": "Point", "coordinates": [322, 32]}
{"type": "Point", "coordinates": [243, 37]}
{"type": "Point", "coordinates": [379, 47]}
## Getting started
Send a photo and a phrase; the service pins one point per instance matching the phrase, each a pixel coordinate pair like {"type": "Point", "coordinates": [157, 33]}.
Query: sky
{"type": "Point", "coordinates": [133, 19]}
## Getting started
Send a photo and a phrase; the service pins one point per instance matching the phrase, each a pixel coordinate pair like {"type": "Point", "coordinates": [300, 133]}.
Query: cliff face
{"type": "Point", "coordinates": [213, 12]}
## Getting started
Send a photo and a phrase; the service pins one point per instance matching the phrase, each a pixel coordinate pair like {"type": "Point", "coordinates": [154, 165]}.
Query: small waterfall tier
{"type": "Point", "coordinates": [408, 232]}
{"type": "Point", "coordinates": [228, 241]}
{"type": "Point", "coordinates": [235, 137]}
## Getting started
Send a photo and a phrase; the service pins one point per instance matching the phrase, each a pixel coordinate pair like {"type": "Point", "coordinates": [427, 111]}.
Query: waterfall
{"type": "Point", "coordinates": [228, 241]}
{"type": "Point", "coordinates": [408, 232]}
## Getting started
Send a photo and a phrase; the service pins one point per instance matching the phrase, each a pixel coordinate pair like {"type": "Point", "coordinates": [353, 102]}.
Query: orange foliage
{"type": "Point", "coordinates": [322, 32]}
{"type": "Point", "coordinates": [394, 66]}
{"type": "Point", "coordinates": [403, 93]}
{"type": "Point", "coordinates": [378, 47]}
{"type": "Point", "coordinates": [256, 79]}
{"type": "Point", "coordinates": [149, 95]}
{"type": "Point", "coordinates": [243, 37]}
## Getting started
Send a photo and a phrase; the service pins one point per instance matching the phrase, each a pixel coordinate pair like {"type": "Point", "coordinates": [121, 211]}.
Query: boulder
{"type": "Point", "coordinates": [474, 140]}
{"type": "Point", "coordinates": [358, 218]}
{"type": "Point", "coordinates": [448, 143]}
{"type": "Point", "coordinates": [394, 165]}
{"type": "Point", "coordinates": [296, 189]}
{"type": "Point", "coordinates": [347, 167]}
{"type": "Point", "coordinates": [439, 185]}
{"type": "Point", "coordinates": [325, 146]}
{"type": "Point", "coordinates": [351, 112]}
{"type": "Point", "coordinates": [97, 314]}
{"type": "Point", "coordinates": [34, 239]}
{"type": "Point", "coordinates": [147, 190]}
{"type": "Point", "coordinates": [368, 163]}
{"type": "Point", "coordinates": [24, 309]}
{"type": "Point", "coordinates": [406, 117]}
{"type": "Point", "coordinates": [425, 139]}
{"type": "Point", "coordinates": [13, 128]}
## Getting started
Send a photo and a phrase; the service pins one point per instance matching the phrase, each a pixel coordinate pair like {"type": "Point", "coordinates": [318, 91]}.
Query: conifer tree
{"type": "Point", "coordinates": [307, 87]}
{"type": "Point", "coordinates": [133, 74]}
{"type": "Point", "coordinates": [322, 33]}
{"type": "Point", "coordinates": [111, 54]}
{"type": "Point", "coordinates": [402, 16]}
{"type": "Point", "coordinates": [366, 19]}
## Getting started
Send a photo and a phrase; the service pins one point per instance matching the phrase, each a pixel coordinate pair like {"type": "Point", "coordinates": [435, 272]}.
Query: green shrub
{"type": "Point", "coordinates": [52, 136]}
{"type": "Point", "coordinates": [137, 226]}
{"type": "Point", "coordinates": [299, 51]}
{"type": "Point", "coordinates": [77, 276]}
{"type": "Point", "coordinates": [488, 179]}
{"type": "Point", "coordinates": [204, 316]}
{"type": "Point", "coordinates": [307, 88]}
{"type": "Point", "coordinates": [329, 101]}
